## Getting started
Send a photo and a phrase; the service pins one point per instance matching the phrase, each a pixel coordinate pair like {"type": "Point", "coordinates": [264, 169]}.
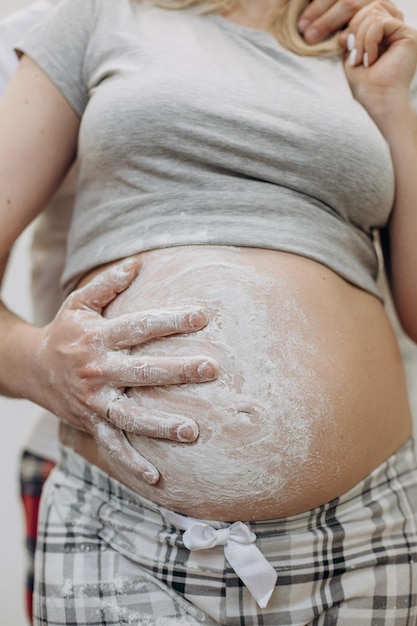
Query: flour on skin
{"type": "Point", "coordinates": [256, 420]}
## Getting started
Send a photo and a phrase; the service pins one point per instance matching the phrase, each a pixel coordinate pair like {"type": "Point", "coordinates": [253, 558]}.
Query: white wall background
{"type": "Point", "coordinates": [18, 417]}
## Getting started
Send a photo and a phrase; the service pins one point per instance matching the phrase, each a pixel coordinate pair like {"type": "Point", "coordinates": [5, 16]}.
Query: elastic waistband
{"type": "Point", "coordinates": [401, 465]}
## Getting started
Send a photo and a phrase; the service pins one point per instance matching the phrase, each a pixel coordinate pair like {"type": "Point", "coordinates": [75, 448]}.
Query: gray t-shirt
{"type": "Point", "coordinates": [196, 130]}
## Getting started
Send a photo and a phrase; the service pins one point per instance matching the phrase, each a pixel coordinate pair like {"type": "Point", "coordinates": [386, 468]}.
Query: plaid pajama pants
{"type": "Point", "coordinates": [34, 470]}
{"type": "Point", "coordinates": [106, 556]}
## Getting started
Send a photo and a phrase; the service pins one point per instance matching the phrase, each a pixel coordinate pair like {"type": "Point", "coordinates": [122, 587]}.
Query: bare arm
{"type": "Point", "coordinates": [75, 366]}
{"type": "Point", "coordinates": [38, 130]}
{"type": "Point", "coordinates": [380, 70]}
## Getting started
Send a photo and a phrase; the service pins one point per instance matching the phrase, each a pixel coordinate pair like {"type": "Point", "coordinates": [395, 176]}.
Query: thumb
{"type": "Point", "coordinates": [102, 289]}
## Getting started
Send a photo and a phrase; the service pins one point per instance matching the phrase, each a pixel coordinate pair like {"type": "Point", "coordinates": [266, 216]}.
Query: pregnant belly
{"type": "Point", "coordinates": [310, 395]}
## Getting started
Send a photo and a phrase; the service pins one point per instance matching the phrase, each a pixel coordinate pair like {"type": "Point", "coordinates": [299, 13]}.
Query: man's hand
{"type": "Point", "coordinates": [83, 367]}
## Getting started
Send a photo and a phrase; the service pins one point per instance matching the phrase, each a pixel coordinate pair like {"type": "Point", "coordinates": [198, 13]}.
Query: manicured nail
{"type": "Point", "coordinates": [350, 42]}
{"type": "Point", "coordinates": [352, 57]}
{"type": "Point", "coordinates": [365, 59]}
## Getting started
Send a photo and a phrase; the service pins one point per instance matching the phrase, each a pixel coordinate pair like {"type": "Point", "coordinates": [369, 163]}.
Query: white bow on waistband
{"type": "Point", "coordinates": [239, 549]}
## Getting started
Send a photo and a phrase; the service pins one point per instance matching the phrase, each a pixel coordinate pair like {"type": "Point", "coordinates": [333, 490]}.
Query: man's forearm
{"type": "Point", "coordinates": [17, 344]}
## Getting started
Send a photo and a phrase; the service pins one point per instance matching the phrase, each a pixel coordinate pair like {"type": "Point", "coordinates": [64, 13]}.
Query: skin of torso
{"type": "Point", "coordinates": [311, 393]}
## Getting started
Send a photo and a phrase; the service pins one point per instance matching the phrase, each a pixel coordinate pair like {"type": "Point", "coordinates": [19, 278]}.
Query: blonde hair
{"type": "Point", "coordinates": [283, 23]}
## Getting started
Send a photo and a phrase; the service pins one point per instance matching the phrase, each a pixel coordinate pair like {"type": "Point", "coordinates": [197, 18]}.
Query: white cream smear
{"type": "Point", "coordinates": [257, 420]}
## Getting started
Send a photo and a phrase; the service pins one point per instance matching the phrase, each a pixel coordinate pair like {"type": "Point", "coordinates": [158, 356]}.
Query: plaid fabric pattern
{"type": "Point", "coordinates": [34, 471]}
{"type": "Point", "coordinates": [106, 556]}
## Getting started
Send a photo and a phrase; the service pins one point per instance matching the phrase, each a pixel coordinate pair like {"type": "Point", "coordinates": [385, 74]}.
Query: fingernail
{"type": "Point", "coordinates": [127, 264]}
{"type": "Point", "coordinates": [365, 59]}
{"type": "Point", "coordinates": [207, 370]}
{"type": "Point", "coordinates": [352, 57]}
{"type": "Point", "coordinates": [350, 44]}
{"type": "Point", "coordinates": [125, 269]}
{"type": "Point", "coordinates": [187, 432]}
{"type": "Point", "coordinates": [312, 35]}
{"type": "Point", "coordinates": [197, 319]}
{"type": "Point", "coordinates": [151, 477]}
{"type": "Point", "coordinates": [302, 24]}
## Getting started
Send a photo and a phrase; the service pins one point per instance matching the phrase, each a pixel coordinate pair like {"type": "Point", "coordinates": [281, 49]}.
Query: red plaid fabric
{"type": "Point", "coordinates": [34, 471]}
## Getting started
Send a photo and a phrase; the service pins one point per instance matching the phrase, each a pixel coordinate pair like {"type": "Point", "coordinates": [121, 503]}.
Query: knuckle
{"type": "Point", "coordinates": [152, 324]}
{"type": "Point", "coordinates": [96, 339]}
{"type": "Point", "coordinates": [92, 334]}
{"type": "Point", "coordinates": [165, 431]}
{"type": "Point", "coordinates": [143, 371]}
{"type": "Point", "coordinates": [356, 5]}
{"type": "Point", "coordinates": [90, 370]}
{"type": "Point", "coordinates": [127, 422]}
{"type": "Point", "coordinates": [144, 326]}
{"type": "Point", "coordinates": [89, 343]}
{"type": "Point", "coordinates": [71, 300]}
{"type": "Point", "coordinates": [99, 432]}
{"type": "Point", "coordinates": [353, 6]}
{"type": "Point", "coordinates": [114, 452]}
{"type": "Point", "coordinates": [181, 321]}
{"type": "Point", "coordinates": [187, 372]}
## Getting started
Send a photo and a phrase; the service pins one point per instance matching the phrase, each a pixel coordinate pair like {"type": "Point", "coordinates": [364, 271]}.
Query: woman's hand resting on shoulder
{"type": "Point", "coordinates": [323, 18]}
{"type": "Point", "coordinates": [84, 366]}
{"type": "Point", "coordinates": [381, 60]}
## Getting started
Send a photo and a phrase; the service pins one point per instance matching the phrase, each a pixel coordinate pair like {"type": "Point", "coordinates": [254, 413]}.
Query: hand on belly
{"type": "Point", "coordinates": [288, 423]}
{"type": "Point", "coordinates": [256, 420]}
